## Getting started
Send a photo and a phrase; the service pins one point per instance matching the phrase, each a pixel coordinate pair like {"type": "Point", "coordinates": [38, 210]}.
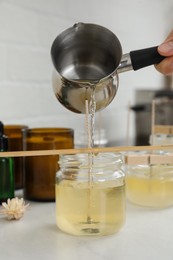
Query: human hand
{"type": "Point", "coordinates": [166, 49]}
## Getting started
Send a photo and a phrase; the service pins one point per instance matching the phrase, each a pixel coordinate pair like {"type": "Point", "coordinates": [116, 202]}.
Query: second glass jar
{"type": "Point", "coordinates": [149, 179]}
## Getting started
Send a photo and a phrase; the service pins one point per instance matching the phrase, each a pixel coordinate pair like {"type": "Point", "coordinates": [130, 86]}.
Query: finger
{"type": "Point", "coordinates": [170, 37]}
{"type": "Point", "coordinates": [166, 48]}
{"type": "Point", "coordinates": [165, 66]}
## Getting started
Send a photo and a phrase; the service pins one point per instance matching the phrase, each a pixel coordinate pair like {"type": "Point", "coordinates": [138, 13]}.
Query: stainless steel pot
{"type": "Point", "coordinates": [88, 58]}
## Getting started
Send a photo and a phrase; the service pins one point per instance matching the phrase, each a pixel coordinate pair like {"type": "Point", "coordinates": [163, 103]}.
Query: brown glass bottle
{"type": "Point", "coordinates": [17, 142]}
{"type": "Point", "coordinates": [41, 170]}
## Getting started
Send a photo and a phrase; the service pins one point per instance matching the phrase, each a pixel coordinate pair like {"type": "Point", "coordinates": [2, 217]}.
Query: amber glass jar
{"type": "Point", "coordinates": [17, 142]}
{"type": "Point", "coordinates": [41, 170]}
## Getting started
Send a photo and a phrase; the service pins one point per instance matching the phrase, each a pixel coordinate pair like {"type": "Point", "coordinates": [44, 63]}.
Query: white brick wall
{"type": "Point", "coordinates": [27, 30]}
{"type": "Point", "coordinates": [28, 64]}
{"type": "Point", "coordinates": [18, 25]}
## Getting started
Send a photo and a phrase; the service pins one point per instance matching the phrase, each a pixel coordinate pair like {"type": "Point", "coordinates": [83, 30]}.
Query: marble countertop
{"type": "Point", "coordinates": [147, 234]}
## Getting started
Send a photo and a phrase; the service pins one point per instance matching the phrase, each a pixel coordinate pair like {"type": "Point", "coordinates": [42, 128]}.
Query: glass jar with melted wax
{"type": "Point", "coordinates": [90, 194]}
{"type": "Point", "coordinates": [149, 179]}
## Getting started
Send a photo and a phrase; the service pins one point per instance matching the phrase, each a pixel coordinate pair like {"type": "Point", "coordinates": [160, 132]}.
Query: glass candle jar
{"type": "Point", "coordinates": [100, 139]}
{"type": "Point", "coordinates": [41, 170]}
{"type": "Point", "coordinates": [17, 142]}
{"type": "Point", "coordinates": [90, 194]}
{"type": "Point", "coordinates": [162, 135]}
{"type": "Point", "coordinates": [161, 139]}
{"type": "Point", "coordinates": [149, 179]}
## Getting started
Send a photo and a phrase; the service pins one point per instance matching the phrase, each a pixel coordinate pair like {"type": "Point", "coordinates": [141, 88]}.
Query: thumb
{"type": "Point", "coordinates": [166, 48]}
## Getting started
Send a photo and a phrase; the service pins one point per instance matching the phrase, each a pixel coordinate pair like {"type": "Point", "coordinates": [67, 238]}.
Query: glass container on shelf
{"type": "Point", "coordinates": [162, 135]}
{"type": "Point", "coordinates": [100, 139]}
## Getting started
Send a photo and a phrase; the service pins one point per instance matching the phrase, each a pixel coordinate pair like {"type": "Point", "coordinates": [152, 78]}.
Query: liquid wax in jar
{"type": "Point", "coordinates": [96, 210]}
{"type": "Point", "coordinates": [152, 187]}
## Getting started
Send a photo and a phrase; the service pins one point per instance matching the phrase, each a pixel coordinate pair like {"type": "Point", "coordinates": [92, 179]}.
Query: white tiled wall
{"type": "Point", "coordinates": [27, 30]}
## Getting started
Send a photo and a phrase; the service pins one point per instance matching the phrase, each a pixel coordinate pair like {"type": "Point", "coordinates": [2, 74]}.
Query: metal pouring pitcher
{"type": "Point", "coordinates": [87, 59]}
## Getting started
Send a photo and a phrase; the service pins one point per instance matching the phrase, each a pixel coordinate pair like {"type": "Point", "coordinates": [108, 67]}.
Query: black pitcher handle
{"type": "Point", "coordinates": [145, 57]}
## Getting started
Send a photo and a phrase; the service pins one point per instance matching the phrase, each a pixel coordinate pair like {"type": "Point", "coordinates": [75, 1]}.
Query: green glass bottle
{"type": "Point", "coordinates": [6, 170]}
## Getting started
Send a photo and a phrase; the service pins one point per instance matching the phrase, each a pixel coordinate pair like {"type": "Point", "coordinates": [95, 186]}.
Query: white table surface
{"type": "Point", "coordinates": [147, 234]}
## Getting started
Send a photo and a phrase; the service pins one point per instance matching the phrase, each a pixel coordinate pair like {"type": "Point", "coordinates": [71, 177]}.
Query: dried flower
{"type": "Point", "coordinates": [14, 208]}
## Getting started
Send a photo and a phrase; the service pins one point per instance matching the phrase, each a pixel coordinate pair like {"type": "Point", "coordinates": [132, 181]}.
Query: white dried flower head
{"type": "Point", "coordinates": [14, 208]}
